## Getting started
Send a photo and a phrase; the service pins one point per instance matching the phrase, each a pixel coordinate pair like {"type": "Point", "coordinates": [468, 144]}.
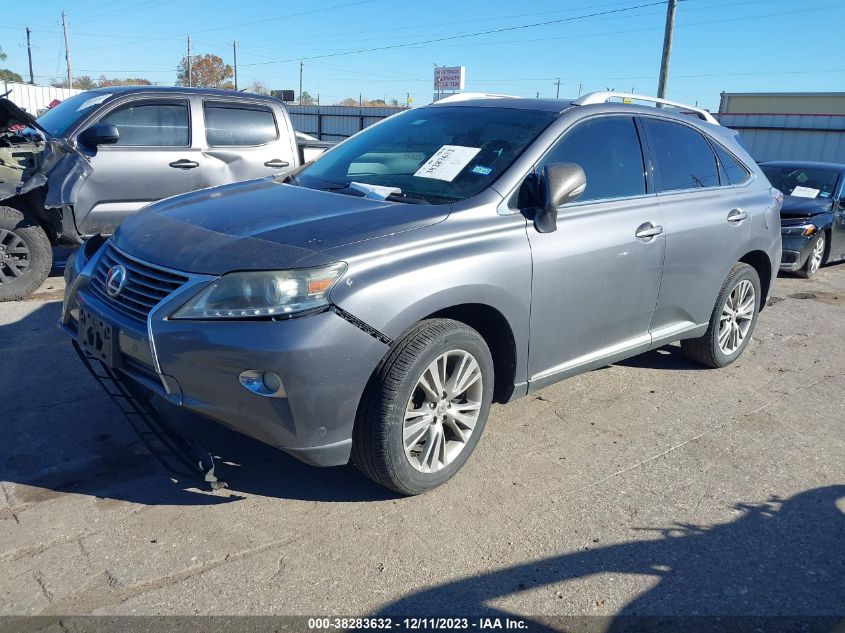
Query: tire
{"type": "Point", "coordinates": [816, 258]}
{"type": "Point", "coordinates": [707, 349]}
{"type": "Point", "coordinates": [25, 255]}
{"type": "Point", "coordinates": [439, 444]}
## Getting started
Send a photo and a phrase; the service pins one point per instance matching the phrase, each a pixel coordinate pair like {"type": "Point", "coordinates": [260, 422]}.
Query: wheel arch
{"type": "Point", "coordinates": [496, 331]}
{"type": "Point", "coordinates": [760, 262]}
{"type": "Point", "coordinates": [31, 204]}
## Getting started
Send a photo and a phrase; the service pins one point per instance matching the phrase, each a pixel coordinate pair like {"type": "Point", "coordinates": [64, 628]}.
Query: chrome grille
{"type": "Point", "coordinates": [146, 284]}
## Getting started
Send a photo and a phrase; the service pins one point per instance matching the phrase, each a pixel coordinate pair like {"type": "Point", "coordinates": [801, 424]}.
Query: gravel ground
{"type": "Point", "coordinates": [652, 486]}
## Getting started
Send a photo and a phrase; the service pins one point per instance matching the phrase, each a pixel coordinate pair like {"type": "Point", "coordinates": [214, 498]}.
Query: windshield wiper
{"type": "Point", "coordinates": [403, 197]}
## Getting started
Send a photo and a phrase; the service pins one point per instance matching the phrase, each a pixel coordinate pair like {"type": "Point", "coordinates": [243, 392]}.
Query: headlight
{"type": "Point", "coordinates": [270, 293]}
{"type": "Point", "coordinates": [802, 229]}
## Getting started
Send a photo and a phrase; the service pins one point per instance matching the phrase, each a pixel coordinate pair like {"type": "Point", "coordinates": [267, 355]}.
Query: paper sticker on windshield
{"type": "Point", "coordinates": [481, 170]}
{"type": "Point", "coordinates": [805, 192]}
{"type": "Point", "coordinates": [447, 162]}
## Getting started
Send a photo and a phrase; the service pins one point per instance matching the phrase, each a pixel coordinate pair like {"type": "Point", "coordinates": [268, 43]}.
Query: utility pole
{"type": "Point", "coordinates": [29, 52]}
{"type": "Point", "coordinates": [557, 83]}
{"type": "Point", "coordinates": [67, 51]}
{"type": "Point", "coordinates": [580, 85]}
{"type": "Point", "coordinates": [667, 49]}
{"type": "Point", "coordinates": [300, 82]}
{"type": "Point", "coordinates": [190, 64]}
{"type": "Point", "coordinates": [235, 51]}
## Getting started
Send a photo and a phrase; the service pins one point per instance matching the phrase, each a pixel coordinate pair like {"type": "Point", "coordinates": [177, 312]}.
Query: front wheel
{"type": "Point", "coordinates": [732, 321]}
{"type": "Point", "coordinates": [815, 259]}
{"type": "Point", "coordinates": [25, 255]}
{"type": "Point", "coordinates": [426, 408]}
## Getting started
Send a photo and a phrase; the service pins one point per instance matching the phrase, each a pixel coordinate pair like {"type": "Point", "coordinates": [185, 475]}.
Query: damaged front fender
{"type": "Point", "coordinates": [31, 158]}
{"type": "Point", "coordinates": [62, 172]}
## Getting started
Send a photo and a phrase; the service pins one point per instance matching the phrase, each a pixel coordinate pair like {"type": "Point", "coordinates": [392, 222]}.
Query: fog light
{"type": "Point", "coordinates": [263, 383]}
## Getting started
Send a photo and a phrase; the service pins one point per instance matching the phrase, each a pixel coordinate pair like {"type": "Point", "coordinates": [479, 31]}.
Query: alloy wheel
{"type": "Point", "coordinates": [817, 255]}
{"type": "Point", "coordinates": [736, 318]}
{"type": "Point", "coordinates": [442, 411]}
{"type": "Point", "coordinates": [14, 256]}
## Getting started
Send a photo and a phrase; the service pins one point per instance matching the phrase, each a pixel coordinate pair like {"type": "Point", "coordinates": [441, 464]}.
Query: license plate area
{"type": "Point", "coordinates": [97, 337]}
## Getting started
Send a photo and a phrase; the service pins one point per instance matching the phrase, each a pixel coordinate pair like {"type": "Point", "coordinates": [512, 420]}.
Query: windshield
{"type": "Point", "coordinates": [802, 182]}
{"type": "Point", "coordinates": [60, 118]}
{"type": "Point", "coordinates": [439, 155]}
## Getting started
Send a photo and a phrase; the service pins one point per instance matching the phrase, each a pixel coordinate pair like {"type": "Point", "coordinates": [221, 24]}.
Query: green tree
{"type": "Point", "coordinates": [8, 75]}
{"type": "Point", "coordinates": [5, 73]}
{"type": "Point", "coordinates": [307, 99]}
{"type": "Point", "coordinates": [207, 71]}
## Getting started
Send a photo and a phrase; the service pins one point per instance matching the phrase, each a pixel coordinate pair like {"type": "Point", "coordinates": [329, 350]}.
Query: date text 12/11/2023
{"type": "Point", "coordinates": [417, 623]}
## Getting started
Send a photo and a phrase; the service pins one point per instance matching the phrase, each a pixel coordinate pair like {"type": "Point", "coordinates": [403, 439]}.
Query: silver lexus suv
{"type": "Point", "coordinates": [374, 304]}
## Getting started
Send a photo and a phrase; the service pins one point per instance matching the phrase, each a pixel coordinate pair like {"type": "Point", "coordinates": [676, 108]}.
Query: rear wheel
{"type": "Point", "coordinates": [815, 259]}
{"type": "Point", "coordinates": [426, 408]}
{"type": "Point", "coordinates": [732, 321]}
{"type": "Point", "coordinates": [25, 255]}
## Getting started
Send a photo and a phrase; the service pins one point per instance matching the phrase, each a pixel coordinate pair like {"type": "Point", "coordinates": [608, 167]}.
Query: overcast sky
{"type": "Point", "coordinates": [509, 47]}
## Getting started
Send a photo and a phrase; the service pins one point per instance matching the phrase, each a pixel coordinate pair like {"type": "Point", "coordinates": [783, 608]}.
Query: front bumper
{"type": "Point", "coordinates": [324, 362]}
{"type": "Point", "coordinates": [796, 250]}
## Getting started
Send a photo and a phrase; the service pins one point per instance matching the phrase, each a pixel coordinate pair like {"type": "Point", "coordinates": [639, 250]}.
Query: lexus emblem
{"type": "Point", "coordinates": [115, 280]}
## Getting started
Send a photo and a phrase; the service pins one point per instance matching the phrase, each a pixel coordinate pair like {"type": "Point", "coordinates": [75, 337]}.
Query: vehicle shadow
{"type": "Point", "coordinates": [63, 434]}
{"type": "Point", "coordinates": [779, 559]}
{"type": "Point", "coordinates": [667, 357]}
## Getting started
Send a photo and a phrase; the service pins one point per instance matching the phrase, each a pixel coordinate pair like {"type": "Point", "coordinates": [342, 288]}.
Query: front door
{"type": "Point", "coordinates": [153, 159]}
{"type": "Point", "coordinates": [596, 279]}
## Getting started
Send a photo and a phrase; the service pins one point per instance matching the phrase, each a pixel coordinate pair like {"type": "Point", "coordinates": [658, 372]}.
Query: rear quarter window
{"type": "Point", "coordinates": [239, 124]}
{"type": "Point", "coordinates": [736, 172]}
{"type": "Point", "coordinates": [682, 155]}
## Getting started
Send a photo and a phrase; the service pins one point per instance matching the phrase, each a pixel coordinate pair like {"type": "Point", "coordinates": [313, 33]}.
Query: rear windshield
{"type": "Point", "coordinates": [440, 155]}
{"type": "Point", "coordinates": [61, 117]}
{"type": "Point", "coordinates": [803, 182]}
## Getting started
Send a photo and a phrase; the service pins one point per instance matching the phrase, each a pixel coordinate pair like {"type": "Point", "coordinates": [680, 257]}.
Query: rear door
{"type": "Point", "coordinates": [596, 279]}
{"type": "Point", "coordinates": [244, 140]}
{"type": "Point", "coordinates": [706, 228]}
{"type": "Point", "coordinates": [152, 160]}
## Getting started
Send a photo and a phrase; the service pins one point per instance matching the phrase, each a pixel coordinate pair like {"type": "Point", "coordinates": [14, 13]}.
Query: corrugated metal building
{"type": "Point", "coordinates": [788, 125]}
{"type": "Point", "coordinates": [34, 99]}
{"type": "Point", "coordinates": [336, 123]}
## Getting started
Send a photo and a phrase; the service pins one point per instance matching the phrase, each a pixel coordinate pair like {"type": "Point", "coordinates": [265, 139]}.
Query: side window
{"type": "Point", "coordinates": [238, 124]}
{"type": "Point", "coordinates": [737, 173]}
{"type": "Point", "coordinates": [152, 124]}
{"type": "Point", "coordinates": [608, 149]}
{"type": "Point", "coordinates": [683, 157]}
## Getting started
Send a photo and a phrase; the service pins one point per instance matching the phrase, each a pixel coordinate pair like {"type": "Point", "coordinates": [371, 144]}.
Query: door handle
{"type": "Point", "coordinates": [277, 163]}
{"type": "Point", "coordinates": [736, 216]}
{"type": "Point", "coordinates": [648, 230]}
{"type": "Point", "coordinates": [184, 163]}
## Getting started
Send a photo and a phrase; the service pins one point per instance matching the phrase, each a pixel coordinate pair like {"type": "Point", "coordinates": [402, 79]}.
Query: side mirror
{"type": "Point", "coordinates": [99, 134]}
{"type": "Point", "coordinates": [559, 184]}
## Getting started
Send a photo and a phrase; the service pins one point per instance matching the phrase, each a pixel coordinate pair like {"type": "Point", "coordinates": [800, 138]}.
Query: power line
{"type": "Point", "coordinates": [476, 34]}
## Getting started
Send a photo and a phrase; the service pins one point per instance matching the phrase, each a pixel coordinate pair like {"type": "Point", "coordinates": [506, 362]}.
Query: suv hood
{"type": "Point", "coordinates": [261, 225]}
{"type": "Point", "coordinates": [29, 161]}
{"type": "Point", "coordinates": [797, 207]}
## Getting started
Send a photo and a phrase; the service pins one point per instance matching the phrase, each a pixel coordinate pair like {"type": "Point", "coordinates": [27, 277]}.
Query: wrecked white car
{"type": "Point", "coordinates": [83, 166]}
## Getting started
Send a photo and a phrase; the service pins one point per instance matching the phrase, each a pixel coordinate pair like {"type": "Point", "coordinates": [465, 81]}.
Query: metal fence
{"type": "Point", "coordinates": [788, 126]}
{"type": "Point", "coordinates": [34, 99]}
{"type": "Point", "coordinates": [335, 123]}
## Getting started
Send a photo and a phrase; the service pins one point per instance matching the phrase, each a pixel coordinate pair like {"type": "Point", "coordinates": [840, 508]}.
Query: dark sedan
{"type": "Point", "coordinates": [813, 213]}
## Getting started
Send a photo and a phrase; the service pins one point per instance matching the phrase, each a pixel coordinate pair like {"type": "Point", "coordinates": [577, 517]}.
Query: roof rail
{"type": "Point", "coordinates": [603, 97]}
{"type": "Point", "coordinates": [465, 96]}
